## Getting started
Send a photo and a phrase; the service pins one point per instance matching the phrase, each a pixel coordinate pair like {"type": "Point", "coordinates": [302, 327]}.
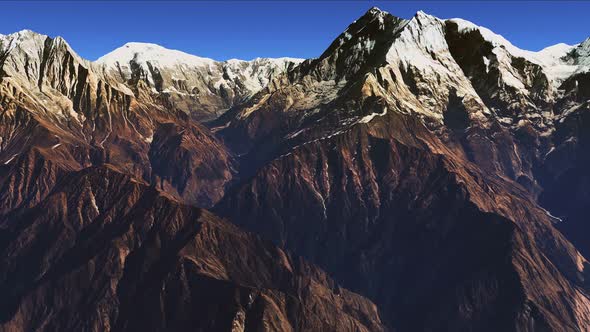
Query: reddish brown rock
{"type": "Point", "coordinates": [104, 251]}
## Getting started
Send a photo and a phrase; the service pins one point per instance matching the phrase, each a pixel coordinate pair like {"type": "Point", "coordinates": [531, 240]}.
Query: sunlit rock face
{"type": "Point", "coordinates": [61, 113]}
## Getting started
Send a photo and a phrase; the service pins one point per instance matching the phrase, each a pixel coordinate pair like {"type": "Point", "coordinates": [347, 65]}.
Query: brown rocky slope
{"type": "Point", "coordinates": [105, 252]}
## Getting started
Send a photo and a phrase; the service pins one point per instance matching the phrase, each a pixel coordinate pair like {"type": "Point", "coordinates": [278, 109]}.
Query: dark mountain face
{"type": "Point", "coordinates": [396, 215]}
{"type": "Point", "coordinates": [106, 252]}
{"type": "Point", "coordinates": [415, 161]}
{"type": "Point", "coordinates": [416, 182]}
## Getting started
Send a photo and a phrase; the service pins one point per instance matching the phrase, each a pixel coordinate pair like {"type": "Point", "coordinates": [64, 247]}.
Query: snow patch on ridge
{"type": "Point", "coordinates": [10, 159]}
{"type": "Point", "coordinates": [370, 117]}
{"type": "Point", "coordinates": [486, 61]}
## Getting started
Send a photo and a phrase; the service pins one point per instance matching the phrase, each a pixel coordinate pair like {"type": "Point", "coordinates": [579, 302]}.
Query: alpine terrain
{"type": "Point", "coordinates": [421, 174]}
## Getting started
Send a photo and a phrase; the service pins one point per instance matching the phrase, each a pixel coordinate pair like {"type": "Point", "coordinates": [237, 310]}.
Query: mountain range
{"type": "Point", "coordinates": [419, 175]}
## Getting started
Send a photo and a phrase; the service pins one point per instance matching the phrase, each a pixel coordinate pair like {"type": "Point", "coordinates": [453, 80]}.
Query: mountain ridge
{"type": "Point", "coordinates": [418, 162]}
{"type": "Point", "coordinates": [373, 11]}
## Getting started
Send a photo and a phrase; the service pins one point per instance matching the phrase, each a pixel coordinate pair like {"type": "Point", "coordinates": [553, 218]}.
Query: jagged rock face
{"type": "Point", "coordinates": [510, 85]}
{"type": "Point", "coordinates": [311, 90]}
{"type": "Point", "coordinates": [406, 62]}
{"type": "Point", "coordinates": [106, 252]}
{"type": "Point", "coordinates": [58, 114]}
{"type": "Point", "coordinates": [546, 148]}
{"type": "Point", "coordinates": [358, 49]}
{"type": "Point", "coordinates": [528, 94]}
{"type": "Point", "coordinates": [392, 218]}
{"type": "Point", "coordinates": [201, 87]}
{"type": "Point", "coordinates": [509, 99]}
{"type": "Point", "coordinates": [380, 171]}
{"type": "Point", "coordinates": [563, 171]}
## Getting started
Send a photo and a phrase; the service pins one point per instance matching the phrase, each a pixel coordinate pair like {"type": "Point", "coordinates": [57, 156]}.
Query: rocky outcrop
{"type": "Point", "coordinates": [563, 170]}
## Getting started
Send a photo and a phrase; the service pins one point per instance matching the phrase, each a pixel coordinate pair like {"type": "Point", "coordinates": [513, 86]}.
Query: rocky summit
{"type": "Point", "coordinates": [419, 175]}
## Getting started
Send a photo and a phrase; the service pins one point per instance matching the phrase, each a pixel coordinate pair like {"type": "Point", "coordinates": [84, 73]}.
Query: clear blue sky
{"type": "Point", "coordinates": [232, 29]}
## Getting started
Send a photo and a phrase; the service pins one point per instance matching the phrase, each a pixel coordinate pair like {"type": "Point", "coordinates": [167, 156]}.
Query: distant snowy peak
{"type": "Point", "coordinates": [153, 58]}
{"type": "Point", "coordinates": [199, 86]}
{"type": "Point", "coordinates": [142, 53]}
{"type": "Point", "coordinates": [551, 52]}
{"type": "Point", "coordinates": [264, 61]}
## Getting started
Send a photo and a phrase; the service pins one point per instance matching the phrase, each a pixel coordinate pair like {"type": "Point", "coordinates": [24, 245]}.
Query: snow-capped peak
{"type": "Point", "coordinates": [423, 15]}
{"type": "Point", "coordinates": [420, 50]}
{"type": "Point", "coordinates": [141, 53]}
{"type": "Point", "coordinates": [33, 43]}
{"type": "Point", "coordinates": [19, 37]}
{"type": "Point", "coordinates": [376, 11]}
{"type": "Point", "coordinates": [419, 37]}
{"type": "Point", "coordinates": [23, 34]}
{"type": "Point", "coordinates": [195, 84]}
{"type": "Point", "coordinates": [10, 41]}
